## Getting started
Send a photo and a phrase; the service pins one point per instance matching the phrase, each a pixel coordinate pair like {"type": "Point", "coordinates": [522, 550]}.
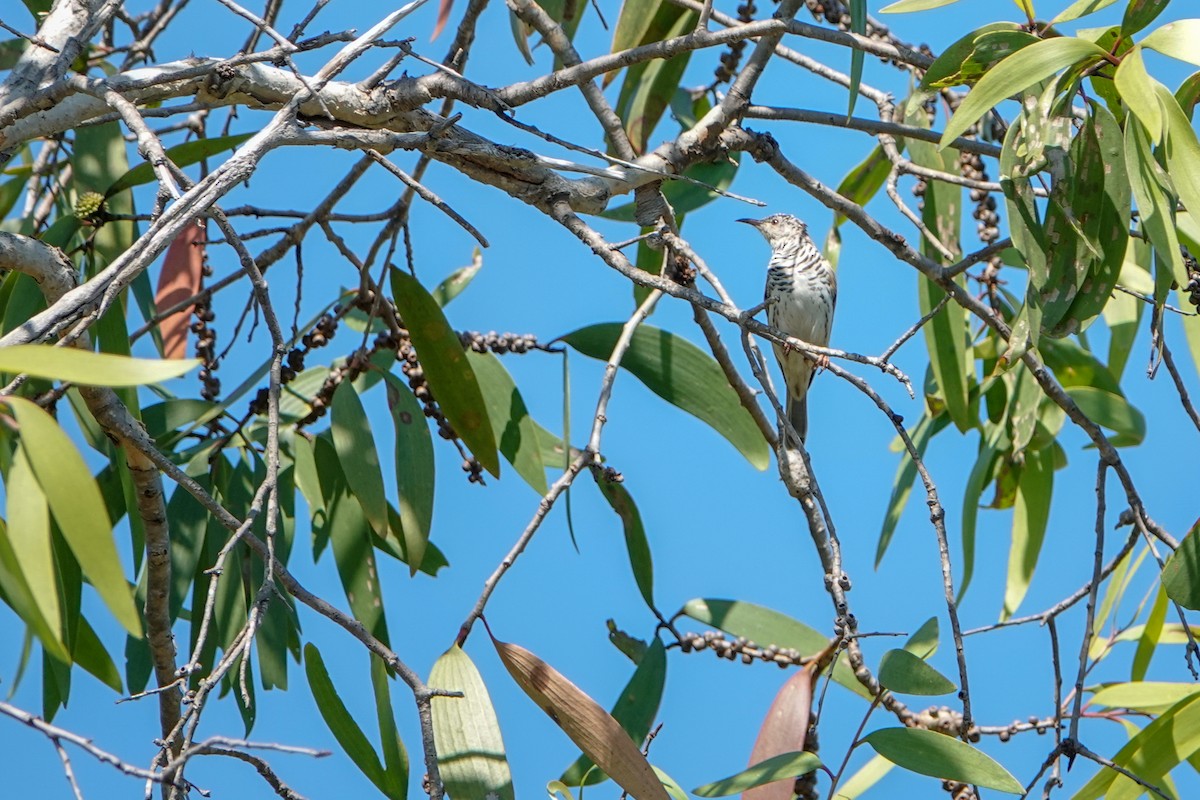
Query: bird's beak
{"type": "Point", "coordinates": [754, 222]}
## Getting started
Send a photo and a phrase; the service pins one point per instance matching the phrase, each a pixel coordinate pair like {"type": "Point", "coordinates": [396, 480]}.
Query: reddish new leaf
{"type": "Point", "coordinates": [179, 280]}
{"type": "Point", "coordinates": [783, 731]}
{"type": "Point", "coordinates": [442, 17]}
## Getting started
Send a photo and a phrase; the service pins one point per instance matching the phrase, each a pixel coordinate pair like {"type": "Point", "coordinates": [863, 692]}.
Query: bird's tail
{"type": "Point", "coordinates": [797, 410]}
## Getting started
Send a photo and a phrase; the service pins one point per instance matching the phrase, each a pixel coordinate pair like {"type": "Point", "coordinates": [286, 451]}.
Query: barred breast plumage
{"type": "Point", "coordinates": [802, 290]}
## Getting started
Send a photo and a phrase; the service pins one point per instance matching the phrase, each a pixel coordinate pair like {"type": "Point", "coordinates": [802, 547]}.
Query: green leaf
{"type": "Point", "coordinates": [458, 280]}
{"type": "Point", "coordinates": [1151, 754]}
{"type": "Point", "coordinates": [906, 473]}
{"type": "Point", "coordinates": [349, 534]}
{"type": "Point", "coordinates": [355, 446]}
{"type": "Point", "coordinates": [635, 710]}
{"type": "Point", "coordinates": [181, 155]}
{"type": "Point", "coordinates": [516, 434]}
{"type": "Point", "coordinates": [924, 643]}
{"type": "Point", "coordinates": [640, 23]}
{"type": "Point", "coordinates": [88, 368]}
{"type": "Point", "coordinates": [395, 773]}
{"type": "Point", "coordinates": [20, 595]}
{"type": "Point", "coordinates": [765, 626]}
{"type": "Point", "coordinates": [469, 745]}
{"type": "Point", "coordinates": [100, 158]}
{"type": "Point", "coordinates": [77, 506]}
{"type": "Point", "coordinates": [1030, 516]}
{"type": "Point", "coordinates": [903, 672]}
{"type": "Point", "coordinates": [648, 87]}
{"type": "Point", "coordinates": [867, 776]}
{"type": "Point", "coordinates": [947, 335]}
{"type": "Point", "coordinates": [341, 723]}
{"type": "Point", "coordinates": [1181, 575]}
{"type": "Point", "coordinates": [680, 373]}
{"type": "Point", "coordinates": [521, 33]}
{"type": "Point", "coordinates": [31, 542]}
{"type": "Point", "coordinates": [948, 69]}
{"type": "Point", "coordinates": [1182, 151]}
{"type": "Point", "coordinates": [780, 767]}
{"type": "Point", "coordinates": [1149, 697]}
{"type": "Point", "coordinates": [939, 756]}
{"type": "Point", "coordinates": [1080, 8]}
{"type": "Point", "coordinates": [1111, 411]}
{"type": "Point", "coordinates": [447, 369]}
{"type": "Point", "coordinates": [1188, 94]}
{"type": "Point", "coordinates": [415, 473]}
{"type": "Point", "coordinates": [1155, 202]}
{"type": "Point", "coordinates": [990, 49]}
{"type": "Point", "coordinates": [1014, 75]}
{"type": "Point", "coordinates": [1139, 14]}
{"type": "Point", "coordinates": [858, 24]}
{"type": "Point", "coordinates": [981, 472]}
{"type": "Point", "coordinates": [1176, 39]}
{"type": "Point", "coordinates": [1148, 641]}
{"type": "Point", "coordinates": [1101, 206]}
{"type": "Point", "coordinates": [908, 6]}
{"type": "Point", "coordinates": [89, 653]}
{"type": "Point", "coordinates": [1137, 90]}
{"type": "Point", "coordinates": [864, 181]}
{"type": "Point", "coordinates": [636, 544]}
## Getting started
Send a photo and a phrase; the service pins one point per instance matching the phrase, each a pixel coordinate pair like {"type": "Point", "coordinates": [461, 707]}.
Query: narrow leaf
{"type": "Point", "coordinates": [592, 728]}
{"type": "Point", "coordinates": [1017, 73]}
{"type": "Point", "coordinates": [182, 155]}
{"type": "Point", "coordinates": [939, 756]}
{"type": "Point", "coordinates": [180, 278]}
{"type": "Point", "coordinates": [908, 6]}
{"type": "Point", "coordinates": [88, 368]}
{"type": "Point", "coordinates": [1030, 515]}
{"type": "Point", "coordinates": [680, 373]}
{"type": "Point", "coordinates": [1080, 8]}
{"type": "Point", "coordinates": [356, 452]}
{"type": "Point", "coordinates": [1139, 14]}
{"type": "Point", "coordinates": [447, 369]}
{"type": "Point", "coordinates": [469, 745]}
{"type": "Point", "coordinates": [341, 723]}
{"type": "Point", "coordinates": [924, 642]}
{"type": "Point", "coordinates": [458, 280]}
{"type": "Point", "coordinates": [635, 710]}
{"type": "Point", "coordinates": [1151, 697]}
{"type": "Point", "coordinates": [784, 732]}
{"type": "Point", "coordinates": [395, 758]}
{"type": "Point", "coordinates": [516, 433]}
{"type": "Point", "coordinates": [858, 24]}
{"type": "Point", "coordinates": [765, 626]}
{"type": "Point", "coordinates": [1151, 754]}
{"type": "Point", "coordinates": [1181, 575]}
{"type": "Point", "coordinates": [1137, 90]}
{"type": "Point", "coordinates": [636, 543]}
{"type": "Point", "coordinates": [77, 506]}
{"type": "Point", "coordinates": [415, 473]}
{"type": "Point", "coordinates": [786, 766]}
{"type": "Point", "coordinates": [903, 672]}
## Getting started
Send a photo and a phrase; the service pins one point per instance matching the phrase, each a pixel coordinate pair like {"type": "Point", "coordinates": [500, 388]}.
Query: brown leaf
{"type": "Point", "coordinates": [783, 731]}
{"type": "Point", "coordinates": [443, 15]}
{"type": "Point", "coordinates": [179, 280]}
{"type": "Point", "coordinates": [587, 724]}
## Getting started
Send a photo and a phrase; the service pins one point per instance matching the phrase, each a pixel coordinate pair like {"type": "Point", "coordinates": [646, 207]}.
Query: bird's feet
{"type": "Point", "coordinates": [822, 361]}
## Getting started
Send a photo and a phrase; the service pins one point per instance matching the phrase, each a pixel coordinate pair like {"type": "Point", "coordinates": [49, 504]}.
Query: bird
{"type": "Point", "coordinates": [801, 294]}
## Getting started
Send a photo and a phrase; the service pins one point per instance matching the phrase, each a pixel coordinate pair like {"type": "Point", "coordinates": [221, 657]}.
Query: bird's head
{"type": "Point", "coordinates": [778, 228]}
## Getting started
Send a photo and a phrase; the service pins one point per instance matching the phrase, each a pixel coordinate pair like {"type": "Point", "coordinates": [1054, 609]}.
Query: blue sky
{"type": "Point", "coordinates": [717, 527]}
